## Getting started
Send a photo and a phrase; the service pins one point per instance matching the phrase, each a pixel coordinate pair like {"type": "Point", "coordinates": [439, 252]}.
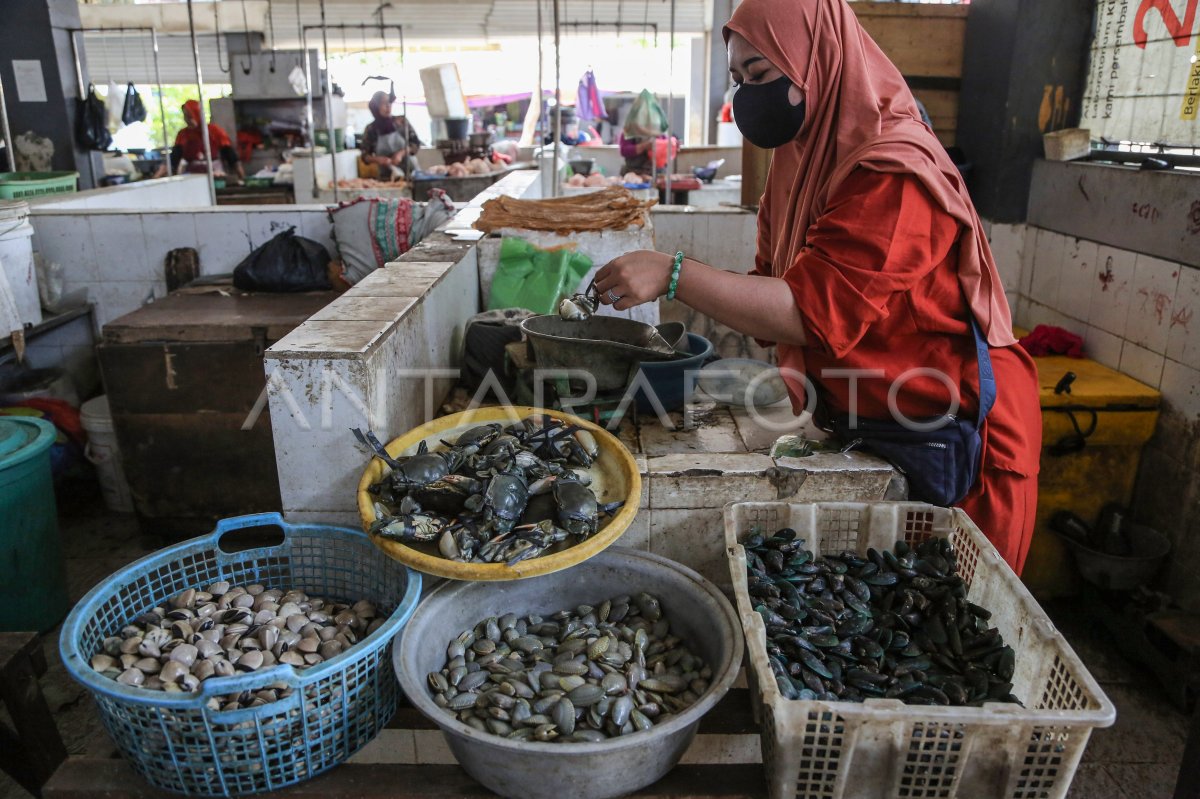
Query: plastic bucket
{"type": "Point", "coordinates": [457, 128]}
{"type": "Point", "coordinates": [105, 455]}
{"type": "Point", "coordinates": [673, 381]}
{"type": "Point", "coordinates": [33, 593]}
{"type": "Point", "coordinates": [16, 258]}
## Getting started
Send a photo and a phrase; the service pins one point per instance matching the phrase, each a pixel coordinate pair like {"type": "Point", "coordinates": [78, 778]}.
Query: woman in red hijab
{"type": "Point", "coordinates": [871, 260]}
{"type": "Point", "coordinates": [189, 146]}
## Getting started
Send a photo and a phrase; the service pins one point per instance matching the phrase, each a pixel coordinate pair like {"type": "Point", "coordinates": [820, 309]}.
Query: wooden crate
{"type": "Point", "coordinates": [184, 376]}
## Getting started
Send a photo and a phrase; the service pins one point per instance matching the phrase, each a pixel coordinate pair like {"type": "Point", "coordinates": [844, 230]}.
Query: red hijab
{"type": "Point", "coordinates": [859, 112]}
{"type": "Point", "coordinates": [189, 141]}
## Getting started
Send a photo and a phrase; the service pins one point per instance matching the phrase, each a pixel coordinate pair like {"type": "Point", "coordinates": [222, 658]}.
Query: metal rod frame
{"type": "Point", "coordinates": [325, 28]}
{"type": "Point", "coordinates": [620, 26]}
{"type": "Point", "coordinates": [162, 113]}
{"type": "Point", "coordinates": [9, 151]}
{"type": "Point", "coordinates": [212, 186]}
{"type": "Point", "coordinates": [556, 134]}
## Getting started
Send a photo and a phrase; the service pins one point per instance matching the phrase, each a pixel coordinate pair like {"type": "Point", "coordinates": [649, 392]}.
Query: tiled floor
{"type": "Point", "coordinates": [1137, 758]}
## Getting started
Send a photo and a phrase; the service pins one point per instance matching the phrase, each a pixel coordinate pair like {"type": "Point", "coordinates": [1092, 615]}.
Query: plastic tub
{"type": "Point", "coordinates": [672, 382]}
{"type": "Point", "coordinates": [173, 739]}
{"type": "Point", "coordinates": [697, 612]}
{"type": "Point", "coordinates": [16, 258]}
{"type": "Point", "coordinates": [17, 185]}
{"type": "Point", "coordinates": [882, 747]}
{"type": "Point", "coordinates": [33, 591]}
{"type": "Point", "coordinates": [457, 128]}
{"type": "Point", "coordinates": [104, 453]}
{"type": "Point", "coordinates": [1123, 573]}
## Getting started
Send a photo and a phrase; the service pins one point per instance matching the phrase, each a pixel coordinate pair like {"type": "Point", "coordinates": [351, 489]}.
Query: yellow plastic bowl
{"type": "Point", "coordinates": [614, 477]}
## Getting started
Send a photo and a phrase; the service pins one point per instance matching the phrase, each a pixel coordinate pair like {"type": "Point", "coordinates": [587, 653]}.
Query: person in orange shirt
{"type": "Point", "coordinates": [189, 147]}
{"type": "Point", "coordinates": [872, 268]}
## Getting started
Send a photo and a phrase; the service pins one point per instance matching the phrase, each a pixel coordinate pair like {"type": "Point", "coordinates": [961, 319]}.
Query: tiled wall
{"type": "Point", "coordinates": [721, 237]}
{"type": "Point", "coordinates": [118, 256]}
{"type": "Point", "coordinates": [1137, 314]}
{"type": "Point", "coordinates": [181, 191]}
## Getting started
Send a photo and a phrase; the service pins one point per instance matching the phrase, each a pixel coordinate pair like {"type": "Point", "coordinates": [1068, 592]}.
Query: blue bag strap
{"type": "Point", "coordinates": [987, 378]}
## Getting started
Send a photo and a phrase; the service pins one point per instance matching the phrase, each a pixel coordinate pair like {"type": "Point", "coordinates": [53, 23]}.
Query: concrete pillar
{"type": "Point", "coordinates": [38, 31]}
{"type": "Point", "coordinates": [717, 68]}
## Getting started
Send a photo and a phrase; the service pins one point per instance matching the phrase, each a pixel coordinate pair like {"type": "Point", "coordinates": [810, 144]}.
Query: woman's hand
{"type": "Point", "coordinates": [645, 146]}
{"type": "Point", "coordinates": [398, 157]}
{"type": "Point", "coordinates": [634, 278]}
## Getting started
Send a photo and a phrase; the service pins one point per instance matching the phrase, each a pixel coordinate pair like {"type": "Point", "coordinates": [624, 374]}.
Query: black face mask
{"type": "Point", "coordinates": [765, 115]}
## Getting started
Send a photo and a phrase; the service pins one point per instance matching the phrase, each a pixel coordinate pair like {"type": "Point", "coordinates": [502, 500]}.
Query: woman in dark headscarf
{"type": "Point", "coordinates": [389, 141]}
{"type": "Point", "coordinates": [872, 275]}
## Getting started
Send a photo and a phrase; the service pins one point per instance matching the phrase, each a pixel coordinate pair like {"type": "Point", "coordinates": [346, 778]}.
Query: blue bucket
{"type": "Point", "coordinates": [175, 740]}
{"type": "Point", "coordinates": [673, 381]}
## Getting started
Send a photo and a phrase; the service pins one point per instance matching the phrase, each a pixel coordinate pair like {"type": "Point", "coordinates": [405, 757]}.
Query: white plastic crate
{"type": "Point", "coordinates": [885, 748]}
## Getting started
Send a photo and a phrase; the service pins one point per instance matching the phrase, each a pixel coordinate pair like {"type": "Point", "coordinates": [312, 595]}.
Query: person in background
{"type": "Point", "coordinates": [189, 147]}
{"type": "Point", "coordinates": [870, 261]}
{"type": "Point", "coordinates": [637, 154]}
{"type": "Point", "coordinates": [389, 141]}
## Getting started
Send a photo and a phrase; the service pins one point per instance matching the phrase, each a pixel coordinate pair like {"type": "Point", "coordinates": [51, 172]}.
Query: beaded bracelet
{"type": "Point", "coordinates": [675, 275]}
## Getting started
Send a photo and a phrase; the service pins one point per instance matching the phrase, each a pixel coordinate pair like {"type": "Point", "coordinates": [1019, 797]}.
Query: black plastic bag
{"type": "Point", "coordinates": [285, 263]}
{"type": "Point", "coordinates": [134, 110]}
{"type": "Point", "coordinates": [91, 126]}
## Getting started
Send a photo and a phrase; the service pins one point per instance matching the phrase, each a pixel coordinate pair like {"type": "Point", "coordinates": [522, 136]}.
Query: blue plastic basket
{"type": "Point", "coordinates": [174, 740]}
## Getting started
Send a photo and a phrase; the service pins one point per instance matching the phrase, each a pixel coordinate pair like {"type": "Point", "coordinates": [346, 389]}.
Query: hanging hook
{"type": "Point", "coordinates": [217, 21]}
{"type": "Point", "coordinates": [246, 63]}
{"type": "Point", "coordinates": [271, 28]}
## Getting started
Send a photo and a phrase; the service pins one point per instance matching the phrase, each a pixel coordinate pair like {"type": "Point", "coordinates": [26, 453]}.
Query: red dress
{"type": "Point", "coordinates": [876, 287]}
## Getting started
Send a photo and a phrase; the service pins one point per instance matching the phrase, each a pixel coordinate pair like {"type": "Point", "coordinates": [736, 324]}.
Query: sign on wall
{"type": "Point", "coordinates": [1144, 78]}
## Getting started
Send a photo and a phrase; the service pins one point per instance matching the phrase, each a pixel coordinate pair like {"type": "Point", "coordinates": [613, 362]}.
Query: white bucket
{"type": "Point", "coordinates": [102, 451]}
{"type": "Point", "coordinates": [16, 258]}
{"type": "Point", "coordinates": [728, 135]}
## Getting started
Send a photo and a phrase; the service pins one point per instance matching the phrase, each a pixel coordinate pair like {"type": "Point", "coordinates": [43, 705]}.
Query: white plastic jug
{"type": "Point", "coordinates": [104, 454]}
{"type": "Point", "coordinates": [16, 258]}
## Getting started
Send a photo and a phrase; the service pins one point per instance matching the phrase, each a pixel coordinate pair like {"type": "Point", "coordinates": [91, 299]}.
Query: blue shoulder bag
{"type": "Point", "coordinates": [942, 461]}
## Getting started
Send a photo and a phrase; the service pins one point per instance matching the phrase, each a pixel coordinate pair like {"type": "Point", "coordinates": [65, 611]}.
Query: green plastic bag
{"type": "Point", "coordinates": [646, 117]}
{"type": "Point", "coordinates": [535, 279]}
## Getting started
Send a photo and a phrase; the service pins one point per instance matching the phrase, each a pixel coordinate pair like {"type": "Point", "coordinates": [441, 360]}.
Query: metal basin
{"type": "Point", "coordinates": [697, 612]}
{"type": "Point", "coordinates": [608, 347]}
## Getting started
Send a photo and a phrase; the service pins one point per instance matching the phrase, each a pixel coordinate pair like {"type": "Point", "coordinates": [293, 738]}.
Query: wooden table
{"type": "Point", "coordinates": [94, 778]}
{"type": "Point", "coordinates": [32, 749]}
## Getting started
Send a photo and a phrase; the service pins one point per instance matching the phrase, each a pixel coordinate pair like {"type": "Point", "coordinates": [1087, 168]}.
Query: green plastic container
{"type": "Point", "coordinates": [21, 185]}
{"type": "Point", "coordinates": [33, 580]}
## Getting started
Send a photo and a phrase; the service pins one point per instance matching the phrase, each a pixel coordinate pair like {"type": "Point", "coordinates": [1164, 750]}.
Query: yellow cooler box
{"type": "Point", "coordinates": [1092, 439]}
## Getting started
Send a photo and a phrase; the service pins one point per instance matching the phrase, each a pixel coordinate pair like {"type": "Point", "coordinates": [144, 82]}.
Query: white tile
{"type": "Point", "coordinates": [265, 225]}
{"type": "Point", "coordinates": [115, 299]}
{"type": "Point", "coordinates": [67, 241]}
{"type": "Point", "coordinates": [163, 233]}
{"type": "Point", "coordinates": [1142, 364]}
{"type": "Point", "coordinates": [119, 246]}
{"type": "Point", "coordinates": [1079, 268]}
{"type": "Point", "coordinates": [1047, 267]}
{"type": "Point", "coordinates": [1028, 247]}
{"type": "Point", "coordinates": [1111, 289]}
{"type": "Point", "coordinates": [223, 240]}
{"type": "Point", "coordinates": [1151, 303]}
{"type": "Point", "coordinates": [1183, 340]}
{"type": "Point", "coordinates": [1102, 347]}
{"type": "Point", "coordinates": [1038, 314]}
{"type": "Point", "coordinates": [1008, 244]}
{"type": "Point", "coordinates": [1181, 388]}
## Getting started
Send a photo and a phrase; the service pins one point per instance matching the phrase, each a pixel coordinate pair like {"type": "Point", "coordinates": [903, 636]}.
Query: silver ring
{"type": "Point", "coordinates": [613, 297]}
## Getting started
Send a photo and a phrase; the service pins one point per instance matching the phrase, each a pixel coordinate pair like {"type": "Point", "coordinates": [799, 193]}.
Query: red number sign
{"type": "Point", "coordinates": [1180, 30]}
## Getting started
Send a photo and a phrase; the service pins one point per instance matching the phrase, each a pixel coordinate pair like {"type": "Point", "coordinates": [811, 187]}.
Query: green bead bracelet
{"type": "Point", "coordinates": [675, 275]}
